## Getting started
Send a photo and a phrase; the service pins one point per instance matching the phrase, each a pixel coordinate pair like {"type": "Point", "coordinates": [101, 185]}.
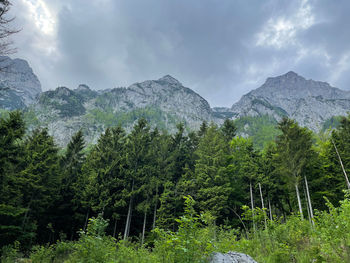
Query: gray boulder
{"type": "Point", "coordinates": [231, 257]}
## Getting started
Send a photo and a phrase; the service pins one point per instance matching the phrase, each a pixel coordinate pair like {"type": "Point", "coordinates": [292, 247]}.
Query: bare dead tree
{"type": "Point", "coordinates": [6, 29]}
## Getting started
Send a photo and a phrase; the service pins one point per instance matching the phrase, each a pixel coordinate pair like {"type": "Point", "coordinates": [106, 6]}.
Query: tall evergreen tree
{"type": "Point", "coordinates": [11, 152]}
{"type": "Point", "coordinates": [294, 148]}
{"type": "Point", "coordinates": [71, 168]}
{"type": "Point", "coordinates": [229, 129]}
{"type": "Point", "coordinates": [138, 147]}
{"type": "Point", "coordinates": [40, 180]}
{"type": "Point", "coordinates": [210, 177]}
{"type": "Point", "coordinates": [243, 170]}
{"type": "Point", "coordinates": [103, 180]}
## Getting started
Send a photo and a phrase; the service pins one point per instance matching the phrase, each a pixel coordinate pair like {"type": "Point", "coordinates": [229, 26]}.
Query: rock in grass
{"type": "Point", "coordinates": [231, 257]}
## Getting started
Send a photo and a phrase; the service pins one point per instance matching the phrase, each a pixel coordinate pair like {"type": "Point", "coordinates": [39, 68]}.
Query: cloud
{"type": "Point", "coordinates": [221, 49]}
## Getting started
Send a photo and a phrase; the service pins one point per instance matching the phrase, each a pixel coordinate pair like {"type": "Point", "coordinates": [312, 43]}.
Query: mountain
{"type": "Point", "coordinates": [164, 103]}
{"type": "Point", "coordinates": [19, 86]}
{"type": "Point", "coordinates": [311, 103]}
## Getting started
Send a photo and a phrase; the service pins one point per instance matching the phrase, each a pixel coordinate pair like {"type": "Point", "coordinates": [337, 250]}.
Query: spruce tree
{"type": "Point", "coordinates": [210, 175]}
{"type": "Point", "coordinates": [71, 164]}
{"type": "Point", "coordinates": [293, 151]}
{"type": "Point", "coordinates": [40, 181]}
{"type": "Point", "coordinates": [102, 183]}
{"type": "Point", "coordinates": [11, 152]}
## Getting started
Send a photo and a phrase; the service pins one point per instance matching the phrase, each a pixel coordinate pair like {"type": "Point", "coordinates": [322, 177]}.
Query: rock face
{"type": "Point", "coordinates": [231, 257]}
{"type": "Point", "coordinates": [19, 86]}
{"type": "Point", "coordinates": [164, 103]}
{"type": "Point", "coordinates": [166, 94]}
{"type": "Point", "coordinates": [309, 102]}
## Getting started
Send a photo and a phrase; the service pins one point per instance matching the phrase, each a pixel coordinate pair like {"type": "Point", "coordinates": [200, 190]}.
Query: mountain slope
{"type": "Point", "coordinates": [309, 102]}
{"type": "Point", "coordinates": [164, 103]}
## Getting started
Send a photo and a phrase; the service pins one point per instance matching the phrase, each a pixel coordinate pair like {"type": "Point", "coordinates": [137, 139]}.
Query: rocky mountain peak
{"type": "Point", "coordinates": [169, 79]}
{"type": "Point", "coordinates": [307, 101]}
{"type": "Point", "coordinates": [63, 91]}
{"type": "Point", "coordinates": [83, 87]}
{"type": "Point", "coordinates": [17, 76]}
{"type": "Point", "coordinates": [291, 75]}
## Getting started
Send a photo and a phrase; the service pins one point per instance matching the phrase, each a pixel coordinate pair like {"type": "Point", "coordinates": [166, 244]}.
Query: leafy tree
{"type": "Point", "coordinates": [333, 181]}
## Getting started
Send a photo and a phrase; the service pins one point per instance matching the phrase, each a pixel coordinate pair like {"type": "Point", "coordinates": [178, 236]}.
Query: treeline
{"type": "Point", "coordinates": [138, 180]}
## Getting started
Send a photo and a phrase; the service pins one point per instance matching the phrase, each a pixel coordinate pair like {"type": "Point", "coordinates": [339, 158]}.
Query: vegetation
{"type": "Point", "coordinates": [261, 129]}
{"type": "Point", "coordinates": [147, 196]}
{"type": "Point", "coordinates": [110, 118]}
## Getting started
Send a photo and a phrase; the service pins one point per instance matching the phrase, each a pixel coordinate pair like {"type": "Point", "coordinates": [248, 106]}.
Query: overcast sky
{"type": "Point", "coordinates": [220, 48]}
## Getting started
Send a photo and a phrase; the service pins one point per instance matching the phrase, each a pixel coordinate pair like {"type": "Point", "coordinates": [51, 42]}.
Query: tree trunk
{"type": "Point", "coordinates": [309, 201]}
{"type": "Point", "coordinates": [240, 219]}
{"type": "Point", "coordinates": [154, 216]}
{"type": "Point", "coordinates": [270, 209]}
{"type": "Point", "coordinates": [155, 210]}
{"type": "Point", "coordinates": [262, 205]}
{"type": "Point", "coordinates": [307, 206]}
{"type": "Point", "coordinates": [341, 164]}
{"type": "Point", "coordinates": [252, 204]}
{"type": "Point", "coordinates": [128, 218]}
{"type": "Point", "coordinates": [299, 202]}
{"type": "Point", "coordinates": [26, 213]}
{"type": "Point", "coordinates": [289, 204]}
{"type": "Point", "coordinates": [115, 227]}
{"type": "Point", "coordinates": [143, 228]}
{"type": "Point", "coordinates": [86, 218]}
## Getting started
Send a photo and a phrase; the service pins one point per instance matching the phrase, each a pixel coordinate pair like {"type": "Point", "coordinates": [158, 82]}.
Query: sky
{"type": "Point", "coordinates": [221, 49]}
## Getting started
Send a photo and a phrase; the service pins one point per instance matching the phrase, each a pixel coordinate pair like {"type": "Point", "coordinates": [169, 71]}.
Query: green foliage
{"type": "Point", "coordinates": [138, 181]}
{"type": "Point", "coordinates": [111, 118]}
{"type": "Point", "coordinates": [262, 129]}
{"type": "Point", "coordinates": [66, 102]}
{"type": "Point", "coordinates": [292, 240]}
{"type": "Point", "coordinates": [9, 253]}
{"type": "Point", "coordinates": [187, 245]}
{"type": "Point", "coordinates": [30, 118]}
{"type": "Point", "coordinates": [331, 123]}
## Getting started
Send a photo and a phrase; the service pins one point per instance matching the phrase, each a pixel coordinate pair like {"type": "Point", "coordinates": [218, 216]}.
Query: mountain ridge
{"type": "Point", "coordinates": [164, 102]}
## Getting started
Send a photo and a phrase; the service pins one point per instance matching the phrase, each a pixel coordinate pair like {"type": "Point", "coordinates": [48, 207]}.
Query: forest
{"type": "Point", "coordinates": [149, 196]}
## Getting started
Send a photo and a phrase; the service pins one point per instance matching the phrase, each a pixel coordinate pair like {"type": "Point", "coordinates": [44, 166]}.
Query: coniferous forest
{"type": "Point", "coordinates": [149, 196]}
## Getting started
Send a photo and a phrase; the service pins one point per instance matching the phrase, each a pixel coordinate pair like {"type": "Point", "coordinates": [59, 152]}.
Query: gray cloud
{"type": "Point", "coordinates": [221, 49]}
